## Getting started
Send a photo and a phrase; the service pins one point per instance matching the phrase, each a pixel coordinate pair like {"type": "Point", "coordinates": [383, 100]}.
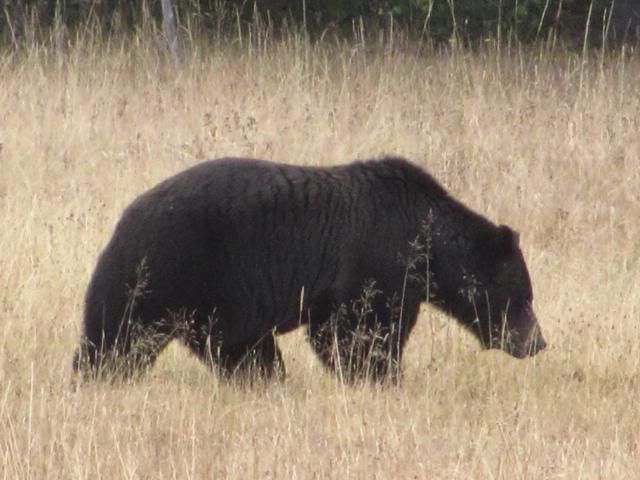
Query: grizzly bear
{"type": "Point", "coordinates": [233, 252]}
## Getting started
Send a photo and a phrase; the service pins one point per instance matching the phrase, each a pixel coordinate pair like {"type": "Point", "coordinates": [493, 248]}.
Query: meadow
{"type": "Point", "coordinates": [541, 138]}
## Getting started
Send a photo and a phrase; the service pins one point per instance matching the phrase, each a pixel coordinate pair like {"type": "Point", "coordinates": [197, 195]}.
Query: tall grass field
{"type": "Point", "coordinates": [544, 139]}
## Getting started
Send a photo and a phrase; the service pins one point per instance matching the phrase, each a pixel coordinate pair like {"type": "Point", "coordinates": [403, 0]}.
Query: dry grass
{"type": "Point", "coordinates": [546, 142]}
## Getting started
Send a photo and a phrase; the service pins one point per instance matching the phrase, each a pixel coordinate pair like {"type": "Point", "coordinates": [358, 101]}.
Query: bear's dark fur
{"type": "Point", "coordinates": [232, 252]}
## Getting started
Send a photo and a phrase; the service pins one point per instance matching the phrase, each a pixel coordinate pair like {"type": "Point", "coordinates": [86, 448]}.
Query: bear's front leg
{"type": "Point", "coordinates": [356, 351]}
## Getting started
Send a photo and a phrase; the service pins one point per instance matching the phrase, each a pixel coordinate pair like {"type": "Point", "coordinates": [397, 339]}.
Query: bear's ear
{"type": "Point", "coordinates": [508, 240]}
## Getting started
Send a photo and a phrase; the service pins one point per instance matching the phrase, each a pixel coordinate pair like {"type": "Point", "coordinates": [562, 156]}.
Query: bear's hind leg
{"type": "Point", "coordinates": [120, 355]}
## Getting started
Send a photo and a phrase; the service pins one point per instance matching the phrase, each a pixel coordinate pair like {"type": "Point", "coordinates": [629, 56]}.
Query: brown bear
{"type": "Point", "coordinates": [232, 252]}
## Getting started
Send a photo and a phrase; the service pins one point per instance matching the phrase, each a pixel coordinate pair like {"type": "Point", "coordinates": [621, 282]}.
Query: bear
{"type": "Point", "coordinates": [230, 253]}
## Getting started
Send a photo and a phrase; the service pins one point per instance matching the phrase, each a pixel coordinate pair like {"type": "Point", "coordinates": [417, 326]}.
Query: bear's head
{"type": "Point", "coordinates": [481, 279]}
{"type": "Point", "coordinates": [500, 310]}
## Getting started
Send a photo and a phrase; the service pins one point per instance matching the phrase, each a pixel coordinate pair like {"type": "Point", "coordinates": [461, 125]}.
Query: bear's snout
{"type": "Point", "coordinates": [529, 346]}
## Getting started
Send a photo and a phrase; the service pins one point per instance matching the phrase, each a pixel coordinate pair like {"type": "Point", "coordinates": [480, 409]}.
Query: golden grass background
{"type": "Point", "coordinates": [545, 140]}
